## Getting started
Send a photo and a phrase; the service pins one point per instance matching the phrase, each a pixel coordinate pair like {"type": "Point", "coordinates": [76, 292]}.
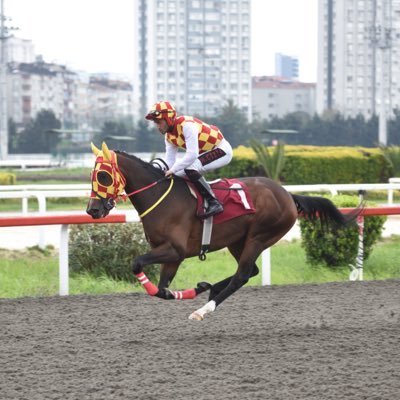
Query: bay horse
{"type": "Point", "coordinates": [168, 213]}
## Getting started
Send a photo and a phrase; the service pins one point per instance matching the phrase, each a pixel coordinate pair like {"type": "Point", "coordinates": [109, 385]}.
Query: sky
{"type": "Point", "coordinates": [95, 35]}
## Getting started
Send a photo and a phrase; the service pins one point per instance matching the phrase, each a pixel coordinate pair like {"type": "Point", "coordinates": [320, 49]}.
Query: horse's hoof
{"type": "Point", "coordinates": [196, 316]}
{"type": "Point", "coordinates": [202, 287]}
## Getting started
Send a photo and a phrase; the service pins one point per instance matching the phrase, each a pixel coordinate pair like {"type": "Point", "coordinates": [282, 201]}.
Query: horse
{"type": "Point", "coordinates": [168, 213]}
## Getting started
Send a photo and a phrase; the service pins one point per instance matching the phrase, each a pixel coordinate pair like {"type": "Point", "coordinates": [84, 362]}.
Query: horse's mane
{"type": "Point", "coordinates": [154, 170]}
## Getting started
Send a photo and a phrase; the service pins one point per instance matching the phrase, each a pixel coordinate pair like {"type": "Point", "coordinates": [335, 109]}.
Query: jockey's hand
{"type": "Point", "coordinates": [168, 173]}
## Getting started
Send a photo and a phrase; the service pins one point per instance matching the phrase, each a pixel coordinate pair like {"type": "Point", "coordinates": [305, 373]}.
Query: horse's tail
{"type": "Point", "coordinates": [314, 207]}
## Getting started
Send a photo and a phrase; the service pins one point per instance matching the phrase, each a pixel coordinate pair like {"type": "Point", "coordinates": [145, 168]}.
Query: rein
{"type": "Point", "coordinates": [146, 187]}
{"type": "Point", "coordinates": [151, 208]}
{"type": "Point", "coordinates": [143, 214]}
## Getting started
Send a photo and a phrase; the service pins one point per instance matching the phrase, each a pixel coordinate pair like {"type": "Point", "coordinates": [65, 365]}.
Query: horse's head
{"type": "Point", "coordinates": [108, 183]}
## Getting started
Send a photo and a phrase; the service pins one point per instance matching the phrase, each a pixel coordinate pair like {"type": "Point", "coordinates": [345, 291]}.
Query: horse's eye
{"type": "Point", "coordinates": [104, 178]}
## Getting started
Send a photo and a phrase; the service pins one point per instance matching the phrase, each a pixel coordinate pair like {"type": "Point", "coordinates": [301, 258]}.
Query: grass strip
{"type": "Point", "coordinates": [33, 272]}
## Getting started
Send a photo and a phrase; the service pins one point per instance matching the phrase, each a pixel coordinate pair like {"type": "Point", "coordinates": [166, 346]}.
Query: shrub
{"type": "Point", "coordinates": [303, 165]}
{"type": "Point", "coordinates": [338, 247]}
{"type": "Point", "coordinates": [7, 178]}
{"type": "Point", "coordinates": [109, 249]}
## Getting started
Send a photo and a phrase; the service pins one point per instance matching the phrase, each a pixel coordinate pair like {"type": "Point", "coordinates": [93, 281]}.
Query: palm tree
{"type": "Point", "coordinates": [392, 156]}
{"type": "Point", "coordinates": [272, 161]}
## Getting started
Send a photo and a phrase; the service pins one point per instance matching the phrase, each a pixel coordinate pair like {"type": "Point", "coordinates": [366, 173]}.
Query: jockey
{"type": "Point", "coordinates": [206, 149]}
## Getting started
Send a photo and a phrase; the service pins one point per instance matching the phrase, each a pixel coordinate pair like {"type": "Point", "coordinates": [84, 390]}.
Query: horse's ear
{"type": "Point", "coordinates": [106, 152]}
{"type": "Point", "coordinates": [95, 150]}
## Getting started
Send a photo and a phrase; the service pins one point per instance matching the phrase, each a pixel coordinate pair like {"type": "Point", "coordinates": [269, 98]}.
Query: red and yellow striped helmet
{"type": "Point", "coordinates": [162, 110]}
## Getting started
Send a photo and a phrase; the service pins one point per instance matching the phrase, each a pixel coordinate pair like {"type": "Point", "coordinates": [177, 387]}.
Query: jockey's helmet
{"type": "Point", "coordinates": [162, 110]}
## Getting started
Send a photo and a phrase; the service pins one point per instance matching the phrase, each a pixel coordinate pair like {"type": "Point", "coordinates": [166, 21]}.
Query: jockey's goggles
{"type": "Point", "coordinates": [156, 114]}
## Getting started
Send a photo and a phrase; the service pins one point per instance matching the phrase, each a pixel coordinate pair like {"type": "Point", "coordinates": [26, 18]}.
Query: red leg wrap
{"type": "Point", "coordinates": [151, 289]}
{"type": "Point", "coordinates": [184, 294]}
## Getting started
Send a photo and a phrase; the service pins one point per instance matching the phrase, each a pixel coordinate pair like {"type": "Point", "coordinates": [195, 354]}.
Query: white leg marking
{"type": "Point", "coordinates": [199, 314]}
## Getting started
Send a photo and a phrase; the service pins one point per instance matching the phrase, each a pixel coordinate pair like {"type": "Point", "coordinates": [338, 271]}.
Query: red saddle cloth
{"type": "Point", "coordinates": [234, 196]}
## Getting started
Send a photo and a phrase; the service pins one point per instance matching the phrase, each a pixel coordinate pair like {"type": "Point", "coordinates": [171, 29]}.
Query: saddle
{"type": "Point", "coordinates": [232, 194]}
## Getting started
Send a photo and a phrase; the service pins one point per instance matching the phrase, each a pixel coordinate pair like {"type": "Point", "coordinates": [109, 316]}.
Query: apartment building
{"type": "Point", "coordinates": [274, 96]}
{"type": "Point", "coordinates": [286, 66]}
{"type": "Point", "coordinates": [194, 53]}
{"type": "Point", "coordinates": [109, 98]}
{"type": "Point", "coordinates": [32, 87]}
{"type": "Point", "coordinates": [19, 50]}
{"type": "Point", "coordinates": [358, 56]}
{"type": "Point", "coordinates": [79, 100]}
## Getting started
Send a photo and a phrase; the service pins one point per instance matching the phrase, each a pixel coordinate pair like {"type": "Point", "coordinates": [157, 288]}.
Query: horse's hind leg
{"type": "Point", "coordinates": [236, 251]}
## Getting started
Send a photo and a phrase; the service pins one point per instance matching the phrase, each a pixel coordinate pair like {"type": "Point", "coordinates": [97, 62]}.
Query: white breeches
{"type": "Point", "coordinates": [210, 160]}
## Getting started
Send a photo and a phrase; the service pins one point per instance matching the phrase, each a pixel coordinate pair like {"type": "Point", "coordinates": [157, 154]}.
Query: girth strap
{"type": "Point", "coordinates": [206, 237]}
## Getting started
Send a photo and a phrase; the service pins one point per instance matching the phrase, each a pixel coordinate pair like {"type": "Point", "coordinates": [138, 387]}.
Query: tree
{"type": "Point", "coordinates": [110, 128]}
{"type": "Point", "coordinates": [147, 138]}
{"type": "Point", "coordinates": [233, 124]}
{"type": "Point", "coordinates": [394, 128]}
{"type": "Point", "coordinates": [117, 134]}
{"type": "Point", "coordinates": [37, 136]}
{"type": "Point", "coordinates": [13, 136]}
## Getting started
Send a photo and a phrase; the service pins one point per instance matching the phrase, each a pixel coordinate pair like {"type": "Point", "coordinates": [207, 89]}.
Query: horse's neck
{"type": "Point", "coordinates": [138, 176]}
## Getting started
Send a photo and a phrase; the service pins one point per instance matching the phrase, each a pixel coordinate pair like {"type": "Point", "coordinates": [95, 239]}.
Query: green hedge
{"type": "Point", "coordinates": [339, 247]}
{"type": "Point", "coordinates": [108, 249]}
{"type": "Point", "coordinates": [7, 178]}
{"type": "Point", "coordinates": [313, 165]}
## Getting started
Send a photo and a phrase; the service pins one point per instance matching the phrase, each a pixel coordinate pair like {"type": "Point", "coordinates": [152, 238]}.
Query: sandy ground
{"type": "Point", "coordinates": [329, 341]}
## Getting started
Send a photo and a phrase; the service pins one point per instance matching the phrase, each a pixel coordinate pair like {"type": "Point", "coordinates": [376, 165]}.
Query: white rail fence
{"type": "Point", "coordinates": [42, 192]}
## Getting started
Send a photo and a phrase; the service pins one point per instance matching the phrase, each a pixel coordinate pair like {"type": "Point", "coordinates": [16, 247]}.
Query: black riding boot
{"type": "Point", "coordinates": [214, 206]}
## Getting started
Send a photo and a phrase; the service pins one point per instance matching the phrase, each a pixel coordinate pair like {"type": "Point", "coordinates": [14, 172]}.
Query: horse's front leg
{"type": "Point", "coordinates": [244, 272]}
{"type": "Point", "coordinates": [219, 286]}
{"type": "Point", "coordinates": [169, 256]}
{"type": "Point", "coordinates": [236, 249]}
{"type": "Point", "coordinates": [235, 283]}
{"type": "Point", "coordinates": [162, 254]}
{"type": "Point", "coordinates": [165, 254]}
{"type": "Point", "coordinates": [167, 274]}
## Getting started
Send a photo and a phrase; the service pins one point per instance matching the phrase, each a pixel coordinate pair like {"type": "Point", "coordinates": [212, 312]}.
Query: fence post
{"type": "Point", "coordinates": [390, 197]}
{"type": "Point", "coordinates": [25, 203]}
{"type": "Point", "coordinates": [41, 198]}
{"type": "Point", "coordinates": [266, 268]}
{"type": "Point", "coordinates": [63, 261]}
{"type": "Point", "coordinates": [357, 272]}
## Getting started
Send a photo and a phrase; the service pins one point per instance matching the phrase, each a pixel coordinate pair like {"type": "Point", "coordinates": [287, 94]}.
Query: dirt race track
{"type": "Point", "coordinates": [331, 341]}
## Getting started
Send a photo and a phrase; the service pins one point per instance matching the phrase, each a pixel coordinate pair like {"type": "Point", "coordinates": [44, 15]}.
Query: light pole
{"type": "Point", "coordinates": [3, 87]}
{"type": "Point", "coordinates": [4, 34]}
{"type": "Point", "coordinates": [383, 41]}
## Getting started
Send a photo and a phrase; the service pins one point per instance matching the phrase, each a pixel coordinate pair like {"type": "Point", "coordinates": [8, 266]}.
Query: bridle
{"type": "Point", "coordinates": [114, 193]}
{"type": "Point", "coordinates": [108, 195]}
